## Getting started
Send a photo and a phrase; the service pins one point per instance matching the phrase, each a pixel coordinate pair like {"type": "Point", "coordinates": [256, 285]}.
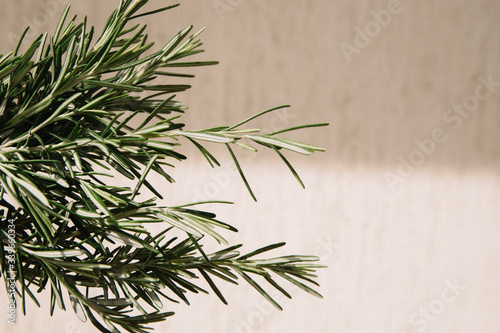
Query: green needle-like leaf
{"type": "Point", "coordinates": [241, 172]}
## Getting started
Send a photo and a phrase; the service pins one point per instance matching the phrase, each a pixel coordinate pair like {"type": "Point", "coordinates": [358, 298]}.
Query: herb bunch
{"type": "Point", "coordinates": [69, 109]}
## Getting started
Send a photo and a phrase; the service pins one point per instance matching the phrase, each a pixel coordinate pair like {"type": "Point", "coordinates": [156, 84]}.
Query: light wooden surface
{"type": "Point", "coordinates": [409, 248]}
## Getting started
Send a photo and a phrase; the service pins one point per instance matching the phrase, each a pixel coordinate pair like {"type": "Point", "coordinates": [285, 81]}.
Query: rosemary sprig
{"type": "Point", "coordinates": [67, 109]}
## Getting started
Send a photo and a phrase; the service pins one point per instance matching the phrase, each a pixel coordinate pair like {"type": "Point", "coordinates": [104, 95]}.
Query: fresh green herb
{"type": "Point", "coordinates": [68, 106]}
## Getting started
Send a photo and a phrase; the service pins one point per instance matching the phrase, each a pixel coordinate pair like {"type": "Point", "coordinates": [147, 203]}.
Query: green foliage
{"type": "Point", "coordinates": [67, 109]}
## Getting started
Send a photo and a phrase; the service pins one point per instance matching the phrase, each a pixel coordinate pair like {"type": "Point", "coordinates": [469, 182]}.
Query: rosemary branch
{"type": "Point", "coordinates": [67, 106]}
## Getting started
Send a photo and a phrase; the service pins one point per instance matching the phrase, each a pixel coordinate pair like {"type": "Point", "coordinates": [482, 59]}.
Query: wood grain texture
{"type": "Point", "coordinates": [395, 245]}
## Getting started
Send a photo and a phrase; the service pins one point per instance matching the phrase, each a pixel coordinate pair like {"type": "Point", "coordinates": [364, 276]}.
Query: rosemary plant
{"type": "Point", "coordinates": [67, 105]}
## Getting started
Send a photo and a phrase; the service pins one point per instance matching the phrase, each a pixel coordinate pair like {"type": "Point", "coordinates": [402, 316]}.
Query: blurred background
{"type": "Point", "coordinates": [403, 206]}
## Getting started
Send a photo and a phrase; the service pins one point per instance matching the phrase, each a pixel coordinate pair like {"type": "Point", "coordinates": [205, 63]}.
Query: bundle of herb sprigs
{"type": "Point", "coordinates": [66, 111]}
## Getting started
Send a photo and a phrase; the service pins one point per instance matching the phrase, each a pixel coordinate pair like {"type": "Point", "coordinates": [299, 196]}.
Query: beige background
{"type": "Point", "coordinates": [393, 248]}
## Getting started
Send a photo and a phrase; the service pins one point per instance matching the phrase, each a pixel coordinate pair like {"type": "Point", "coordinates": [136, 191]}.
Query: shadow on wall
{"type": "Point", "coordinates": [404, 84]}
